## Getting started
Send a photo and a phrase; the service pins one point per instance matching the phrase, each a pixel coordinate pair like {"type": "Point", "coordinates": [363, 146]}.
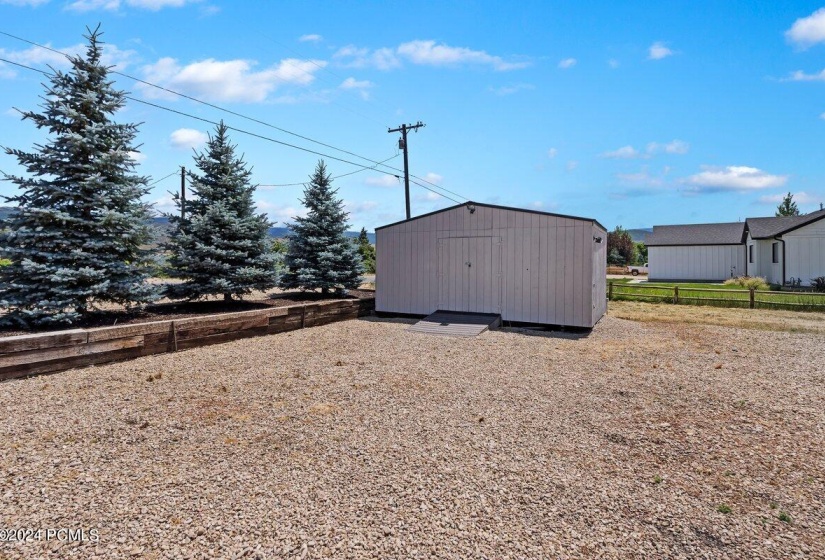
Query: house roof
{"type": "Point", "coordinates": [698, 234]}
{"type": "Point", "coordinates": [762, 228]}
{"type": "Point", "coordinates": [469, 202]}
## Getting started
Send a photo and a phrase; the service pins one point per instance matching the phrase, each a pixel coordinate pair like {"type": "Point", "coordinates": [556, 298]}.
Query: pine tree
{"type": "Point", "coordinates": [367, 251]}
{"type": "Point", "coordinates": [787, 207]}
{"type": "Point", "coordinates": [320, 255]}
{"type": "Point", "coordinates": [74, 239]}
{"type": "Point", "coordinates": [221, 246]}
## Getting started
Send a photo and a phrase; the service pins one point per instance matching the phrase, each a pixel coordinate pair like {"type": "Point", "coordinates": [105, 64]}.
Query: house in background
{"type": "Point", "coordinates": [778, 249]}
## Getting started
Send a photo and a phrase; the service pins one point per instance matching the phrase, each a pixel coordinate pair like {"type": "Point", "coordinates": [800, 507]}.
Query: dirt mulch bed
{"type": "Point", "coordinates": [182, 310]}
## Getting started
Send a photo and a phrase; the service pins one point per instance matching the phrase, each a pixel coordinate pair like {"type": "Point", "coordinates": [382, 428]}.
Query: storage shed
{"type": "Point", "coordinates": [527, 266]}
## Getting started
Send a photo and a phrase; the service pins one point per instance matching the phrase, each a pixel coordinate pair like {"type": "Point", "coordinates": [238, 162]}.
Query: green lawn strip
{"type": "Point", "coordinates": [724, 295]}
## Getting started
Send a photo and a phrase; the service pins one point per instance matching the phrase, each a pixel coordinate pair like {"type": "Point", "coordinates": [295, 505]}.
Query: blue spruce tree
{"type": "Point", "coordinates": [75, 238]}
{"type": "Point", "coordinates": [220, 246]}
{"type": "Point", "coordinates": [320, 255]}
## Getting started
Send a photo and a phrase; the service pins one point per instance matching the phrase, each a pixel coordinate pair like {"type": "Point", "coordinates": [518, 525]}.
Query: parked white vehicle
{"type": "Point", "coordinates": [636, 270]}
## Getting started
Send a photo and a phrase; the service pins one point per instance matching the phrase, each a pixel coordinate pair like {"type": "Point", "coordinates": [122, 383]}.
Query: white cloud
{"type": "Point", "coordinates": [822, 116]}
{"type": "Point", "coordinates": [809, 30]}
{"type": "Point", "coordinates": [567, 63]}
{"type": "Point", "coordinates": [137, 157]}
{"type": "Point", "coordinates": [361, 86]}
{"type": "Point", "coordinates": [354, 57]}
{"type": "Point", "coordinates": [510, 90]}
{"type": "Point", "coordinates": [571, 165]}
{"type": "Point", "coordinates": [164, 205]}
{"type": "Point", "coordinates": [357, 209]}
{"type": "Point", "coordinates": [382, 181]}
{"type": "Point", "coordinates": [552, 152]}
{"type": "Point", "coordinates": [643, 177]}
{"type": "Point", "coordinates": [800, 76]}
{"type": "Point", "coordinates": [613, 63]}
{"type": "Point", "coordinates": [187, 138]}
{"type": "Point", "coordinates": [112, 5]}
{"type": "Point", "coordinates": [625, 152]}
{"type": "Point", "coordinates": [7, 71]}
{"type": "Point", "coordinates": [430, 53]}
{"type": "Point", "coordinates": [310, 38]}
{"type": "Point", "coordinates": [433, 178]}
{"type": "Point", "coordinates": [673, 147]}
{"type": "Point", "coordinates": [800, 198]}
{"type": "Point", "coordinates": [32, 3]}
{"type": "Point", "coordinates": [230, 80]}
{"type": "Point", "coordinates": [427, 53]}
{"type": "Point", "coordinates": [658, 51]}
{"type": "Point", "coordinates": [733, 178]}
{"type": "Point", "coordinates": [36, 56]}
{"type": "Point", "coordinates": [281, 214]}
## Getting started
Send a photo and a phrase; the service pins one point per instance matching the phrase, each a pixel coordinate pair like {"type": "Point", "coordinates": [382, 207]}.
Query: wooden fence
{"type": "Point", "coordinates": [750, 298]}
{"type": "Point", "coordinates": [62, 350]}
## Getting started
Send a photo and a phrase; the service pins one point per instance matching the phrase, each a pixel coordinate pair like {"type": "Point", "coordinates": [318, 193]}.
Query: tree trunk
{"type": "Point", "coordinates": [227, 297]}
{"type": "Point", "coordinates": [324, 291]}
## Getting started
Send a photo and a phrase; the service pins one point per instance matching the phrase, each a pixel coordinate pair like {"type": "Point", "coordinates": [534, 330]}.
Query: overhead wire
{"type": "Point", "coordinates": [196, 100]}
{"type": "Point", "coordinates": [242, 131]}
{"type": "Point", "coordinates": [332, 178]}
{"type": "Point", "coordinates": [153, 183]}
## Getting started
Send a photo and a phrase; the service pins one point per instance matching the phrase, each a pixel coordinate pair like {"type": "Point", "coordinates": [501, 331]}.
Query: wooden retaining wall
{"type": "Point", "coordinates": [62, 350]}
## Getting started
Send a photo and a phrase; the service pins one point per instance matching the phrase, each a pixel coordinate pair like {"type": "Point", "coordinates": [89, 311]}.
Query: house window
{"type": "Point", "coordinates": [750, 254]}
{"type": "Point", "coordinates": [775, 253]}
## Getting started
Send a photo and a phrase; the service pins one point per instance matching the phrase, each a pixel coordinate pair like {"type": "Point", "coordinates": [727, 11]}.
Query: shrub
{"type": "Point", "coordinates": [818, 283]}
{"type": "Point", "coordinates": [4, 262]}
{"type": "Point", "coordinates": [749, 282]}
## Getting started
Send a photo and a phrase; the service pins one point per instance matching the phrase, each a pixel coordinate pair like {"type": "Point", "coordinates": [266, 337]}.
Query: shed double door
{"type": "Point", "coordinates": [469, 274]}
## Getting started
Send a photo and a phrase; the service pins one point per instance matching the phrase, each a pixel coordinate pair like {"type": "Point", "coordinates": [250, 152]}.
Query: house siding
{"type": "Point", "coordinates": [548, 274]}
{"type": "Point", "coordinates": [805, 252]}
{"type": "Point", "coordinates": [696, 262]}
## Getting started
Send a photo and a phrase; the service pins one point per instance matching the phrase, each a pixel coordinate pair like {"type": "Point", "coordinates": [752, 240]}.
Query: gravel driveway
{"type": "Point", "coordinates": [360, 440]}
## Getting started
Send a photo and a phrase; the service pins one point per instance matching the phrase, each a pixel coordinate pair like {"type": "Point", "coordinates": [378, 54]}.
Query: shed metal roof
{"type": "Point", "coordinates": [698, 234]}
{"type": "Point", "coordinates": [469, 202]}
{"type": "Point", "coordinates": [762, 228]}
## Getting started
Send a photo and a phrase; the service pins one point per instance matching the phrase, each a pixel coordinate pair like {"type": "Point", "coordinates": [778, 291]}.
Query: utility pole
{"type": "Point", "coordinates": [402, 143]}
{"type": "Point", "coordinates": [182, 192]}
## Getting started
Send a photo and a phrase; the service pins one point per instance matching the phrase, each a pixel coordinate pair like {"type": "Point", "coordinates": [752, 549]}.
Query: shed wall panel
{"type": "Point", "coordinates": [549, 267]}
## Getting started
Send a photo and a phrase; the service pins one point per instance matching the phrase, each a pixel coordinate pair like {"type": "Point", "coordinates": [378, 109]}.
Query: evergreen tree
{"type": "Point", "coordinates": [320, 255]}
{"type": "Point", "coordinates": [787, 207]}
{"type": "Point", "coordinates": [74, 239]}
{"type": "Point", "coordinates": [220, 246]}
{"type": "Point", "coordinates": [366, 250]}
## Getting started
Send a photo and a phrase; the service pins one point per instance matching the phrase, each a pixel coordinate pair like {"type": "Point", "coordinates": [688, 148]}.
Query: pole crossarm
{"type": "Point", "coordinates": [404, 129]}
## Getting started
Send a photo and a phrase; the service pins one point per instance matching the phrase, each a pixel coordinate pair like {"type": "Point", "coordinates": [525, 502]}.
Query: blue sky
{"type": "Point", "coordinates": [633, 113]}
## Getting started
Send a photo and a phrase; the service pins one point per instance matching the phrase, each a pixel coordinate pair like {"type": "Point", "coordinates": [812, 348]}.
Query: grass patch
{"type": "Point", "coordinates": [723, 508]}
{"type": "Point", "coordinates": [784, 517]}
{"type": "Point", "coordinates": [716, 295]}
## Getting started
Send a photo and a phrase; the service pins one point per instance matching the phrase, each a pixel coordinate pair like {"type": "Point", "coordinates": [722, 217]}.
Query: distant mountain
{"type": "Point", "coordinates": [640, 235]}
{"type": "Point", "coordinates": [5, 211]}
{"type": "Point", "coordinates": [162, 223]}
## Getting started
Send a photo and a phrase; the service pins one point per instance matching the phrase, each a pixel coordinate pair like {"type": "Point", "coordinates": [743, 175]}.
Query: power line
{"type": "Point", "coordinates": [196, 100]}
{"type": "Point", "coordinates": [413, 181]}
{"type": "Point", "coordinates": [262, 137]}
{"type": "Point", "coordinates": [333, 178]}
{"type": "Point", "coordinates": [235, 113]}
{"type": "Point", "coordinates": [152, 184]}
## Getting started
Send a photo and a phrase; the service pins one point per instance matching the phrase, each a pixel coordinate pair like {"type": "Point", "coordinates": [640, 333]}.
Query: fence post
{"type": "Point", "coordinates": [753, 302]}
{"type": "Point", "coordinates": [610, 290]}
{"type": "Point", "coordinates": [675, 294]}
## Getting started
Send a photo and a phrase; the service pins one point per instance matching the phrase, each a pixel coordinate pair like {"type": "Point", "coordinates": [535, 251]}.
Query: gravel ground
{"type": "Point", "coordinates": [360, 440]}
